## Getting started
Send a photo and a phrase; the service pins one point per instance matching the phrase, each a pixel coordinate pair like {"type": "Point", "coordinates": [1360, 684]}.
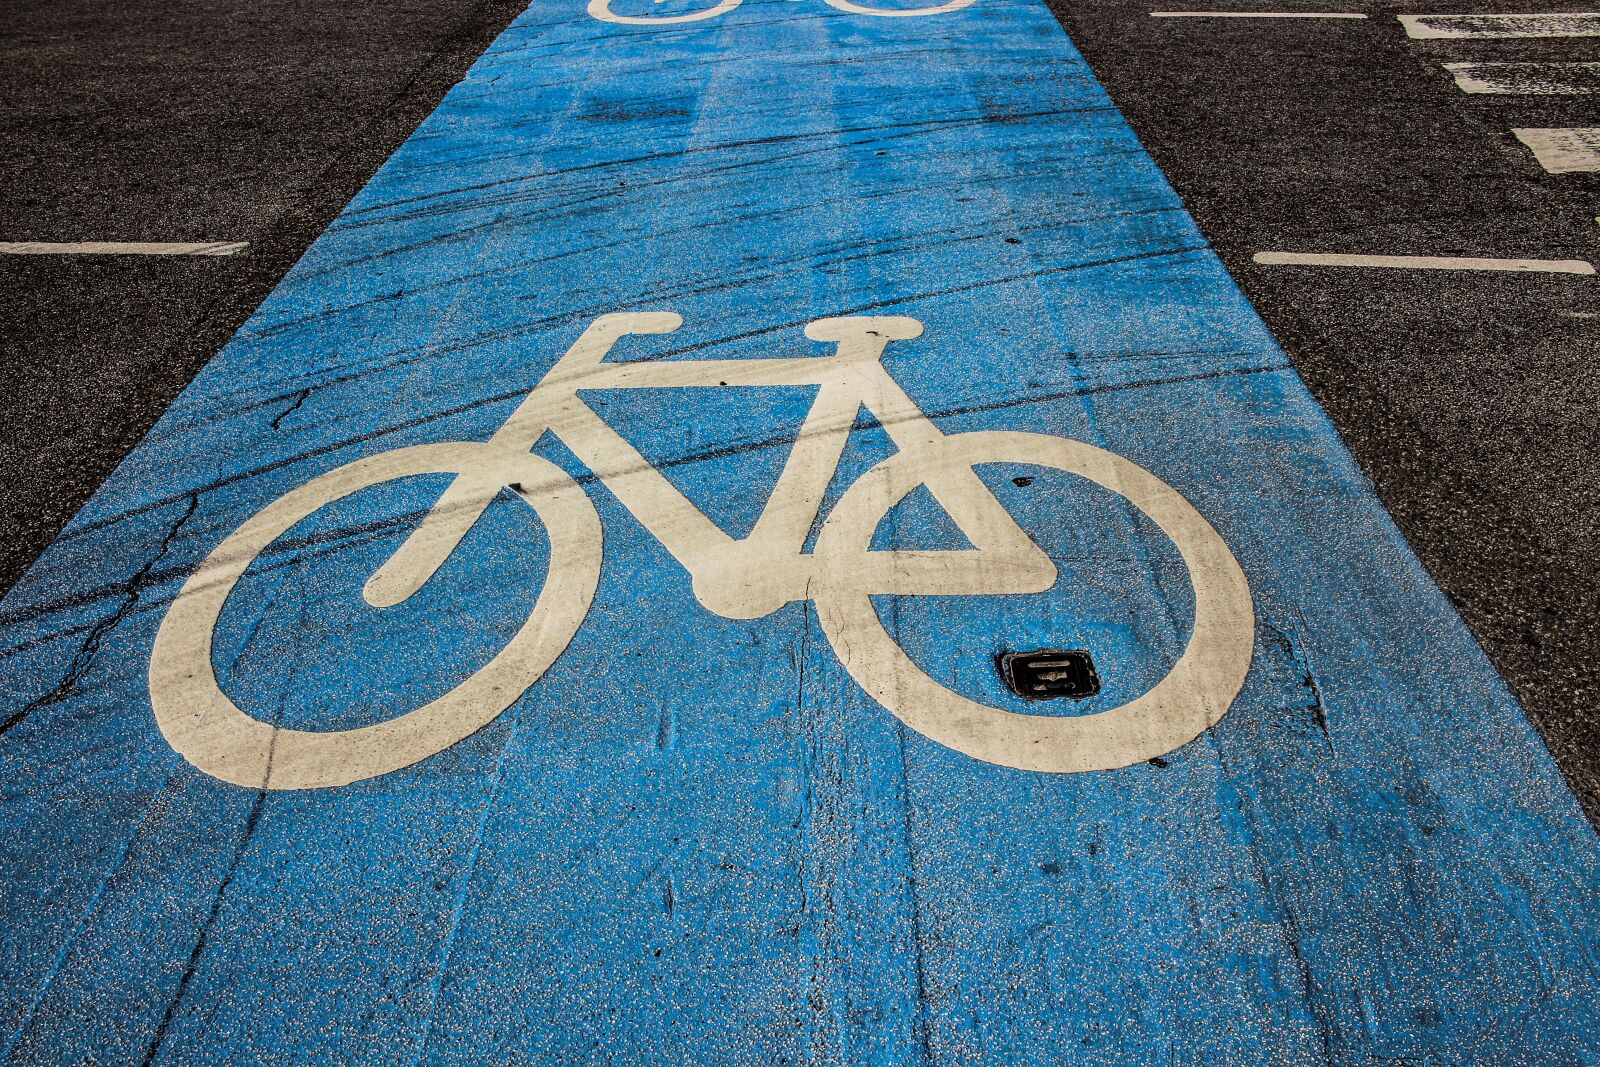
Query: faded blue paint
{"type": "Point", "coordinates": [695, 840]}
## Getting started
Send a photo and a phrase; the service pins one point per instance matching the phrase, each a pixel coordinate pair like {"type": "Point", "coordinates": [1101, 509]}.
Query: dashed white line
{"type": "Point", "coordinates": [1564, 151]}
{"type": "Point", "coordinates": [1440, 27]}
{"type": "Point", "coordinates": [1324, 259]}
{"type": "Point", "coordinates": [1256, 15]}
{"type": "Point", "coordinates": [121, 248]}
{"type": "Point", "coordinates": [1539, 79]}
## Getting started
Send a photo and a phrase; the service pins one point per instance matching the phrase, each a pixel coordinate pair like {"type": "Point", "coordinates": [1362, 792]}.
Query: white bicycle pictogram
{"type": "Point", "coordinates": [744, 578]}
{"type": "Point", "coordinates": [601, 9]}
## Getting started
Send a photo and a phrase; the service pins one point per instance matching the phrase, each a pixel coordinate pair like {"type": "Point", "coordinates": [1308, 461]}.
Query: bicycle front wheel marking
{"type": "Point", "coordinates": [1193, 696]}
{"type": "Point", "coordinates": [211, 732]}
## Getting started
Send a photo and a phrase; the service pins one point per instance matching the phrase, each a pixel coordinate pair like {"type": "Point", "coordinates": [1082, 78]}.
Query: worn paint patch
{"type": "Point", "coordinates": [1526, 79]}
{"type": "Point", "coordinates": [1500, 27]}
{"type": "Point", "coordinates": [1564, 151]}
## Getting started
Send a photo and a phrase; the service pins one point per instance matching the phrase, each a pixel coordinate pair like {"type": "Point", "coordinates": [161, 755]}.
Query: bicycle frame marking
{"type": "Point", "coordinates": [742, 578]}
{"type": "Point", "coordinates": [753, 576]}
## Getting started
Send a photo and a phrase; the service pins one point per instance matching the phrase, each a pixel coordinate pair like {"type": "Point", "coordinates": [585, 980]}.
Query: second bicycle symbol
{"type": "Point", "coordinates": [601, 9]}
{"type": "Point", "coordinates": [743, 578]}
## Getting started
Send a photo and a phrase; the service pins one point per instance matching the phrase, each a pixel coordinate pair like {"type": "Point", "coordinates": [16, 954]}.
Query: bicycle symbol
{"type": "Point", "coordinates": [746, 578]}
{"type": "Point", "coordinates": [601, 9]}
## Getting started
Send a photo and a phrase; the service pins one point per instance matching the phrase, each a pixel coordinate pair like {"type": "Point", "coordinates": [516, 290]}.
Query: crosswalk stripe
{"type": "Point", "coordinates": [1526, 78]}
{"type": "Point", "coordinates": [1563, 151]}
{"type": "Point", "coordinates": [1524, 25]}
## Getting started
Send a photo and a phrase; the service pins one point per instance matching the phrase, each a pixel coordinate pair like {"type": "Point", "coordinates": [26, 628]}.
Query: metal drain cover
{"type": "Point", "coordinates": [1050, 673]}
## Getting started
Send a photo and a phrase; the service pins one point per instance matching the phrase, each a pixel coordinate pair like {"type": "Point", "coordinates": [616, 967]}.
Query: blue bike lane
{"type": "Point", "coordinates": [696, 838]}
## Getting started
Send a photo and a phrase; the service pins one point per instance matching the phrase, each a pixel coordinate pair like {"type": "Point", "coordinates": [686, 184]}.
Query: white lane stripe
{"type": "Point", "coordinates": [1542, 79]}
{"type": "Point", "coordinates": [1564, 151]}
{"type": "Point", "coordinates": [1439, 27]}
{"type": "Point", "coordinates": [1323, 259]}
{"type": "Point", "coordinates": [121, 248]}
{"type": "Point", "coordinates": [1256, 15]}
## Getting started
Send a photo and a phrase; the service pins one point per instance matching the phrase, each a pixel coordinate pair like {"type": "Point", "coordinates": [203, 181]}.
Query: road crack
{"type": "Point", "coordinates": [83, 662]}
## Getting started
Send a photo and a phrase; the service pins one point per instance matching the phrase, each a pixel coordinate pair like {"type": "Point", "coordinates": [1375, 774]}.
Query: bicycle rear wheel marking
{"type": "Point", "coordinates": [211, 732]}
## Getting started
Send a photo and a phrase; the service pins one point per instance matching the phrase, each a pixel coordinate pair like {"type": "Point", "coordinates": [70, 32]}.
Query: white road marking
{"type": "Point", "coordinates": [1526, 78]}
{"type": "Point", "coordinates": [1256, 15]}
{"type": "Point", "coordinates": [121, 248]}
{"type": "Point", "coordinates": [1438, 27]}
{"type": "Point", "coordinates": [601, 9]}
{"type": "Point", "coordinates": [1325, 259]}
{"type": "Point", "coordinates": [1564, 151]}
{"type": "Point", "coordinates": [744, 578]}
{"type": "Point", "coordinates": [911, 12]}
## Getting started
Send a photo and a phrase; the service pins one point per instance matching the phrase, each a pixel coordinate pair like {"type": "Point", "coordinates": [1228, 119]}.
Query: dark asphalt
{"type": "Point", "coordinates": [1469, 399]}
{"type": "Point", "coordinates": [148, 121]}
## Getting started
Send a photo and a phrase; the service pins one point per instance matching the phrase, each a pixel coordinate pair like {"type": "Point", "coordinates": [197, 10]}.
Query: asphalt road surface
{"type": "Point", "coordinates": [143, 122]}
{"type": "Point", "coordinates": [1469, 398]}
{"type": "Point", "coordinates": [780, 534]}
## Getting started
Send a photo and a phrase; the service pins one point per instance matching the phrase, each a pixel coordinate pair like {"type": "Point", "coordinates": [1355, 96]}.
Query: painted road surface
{"type": "Point", "coordinates": [589, 754]}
